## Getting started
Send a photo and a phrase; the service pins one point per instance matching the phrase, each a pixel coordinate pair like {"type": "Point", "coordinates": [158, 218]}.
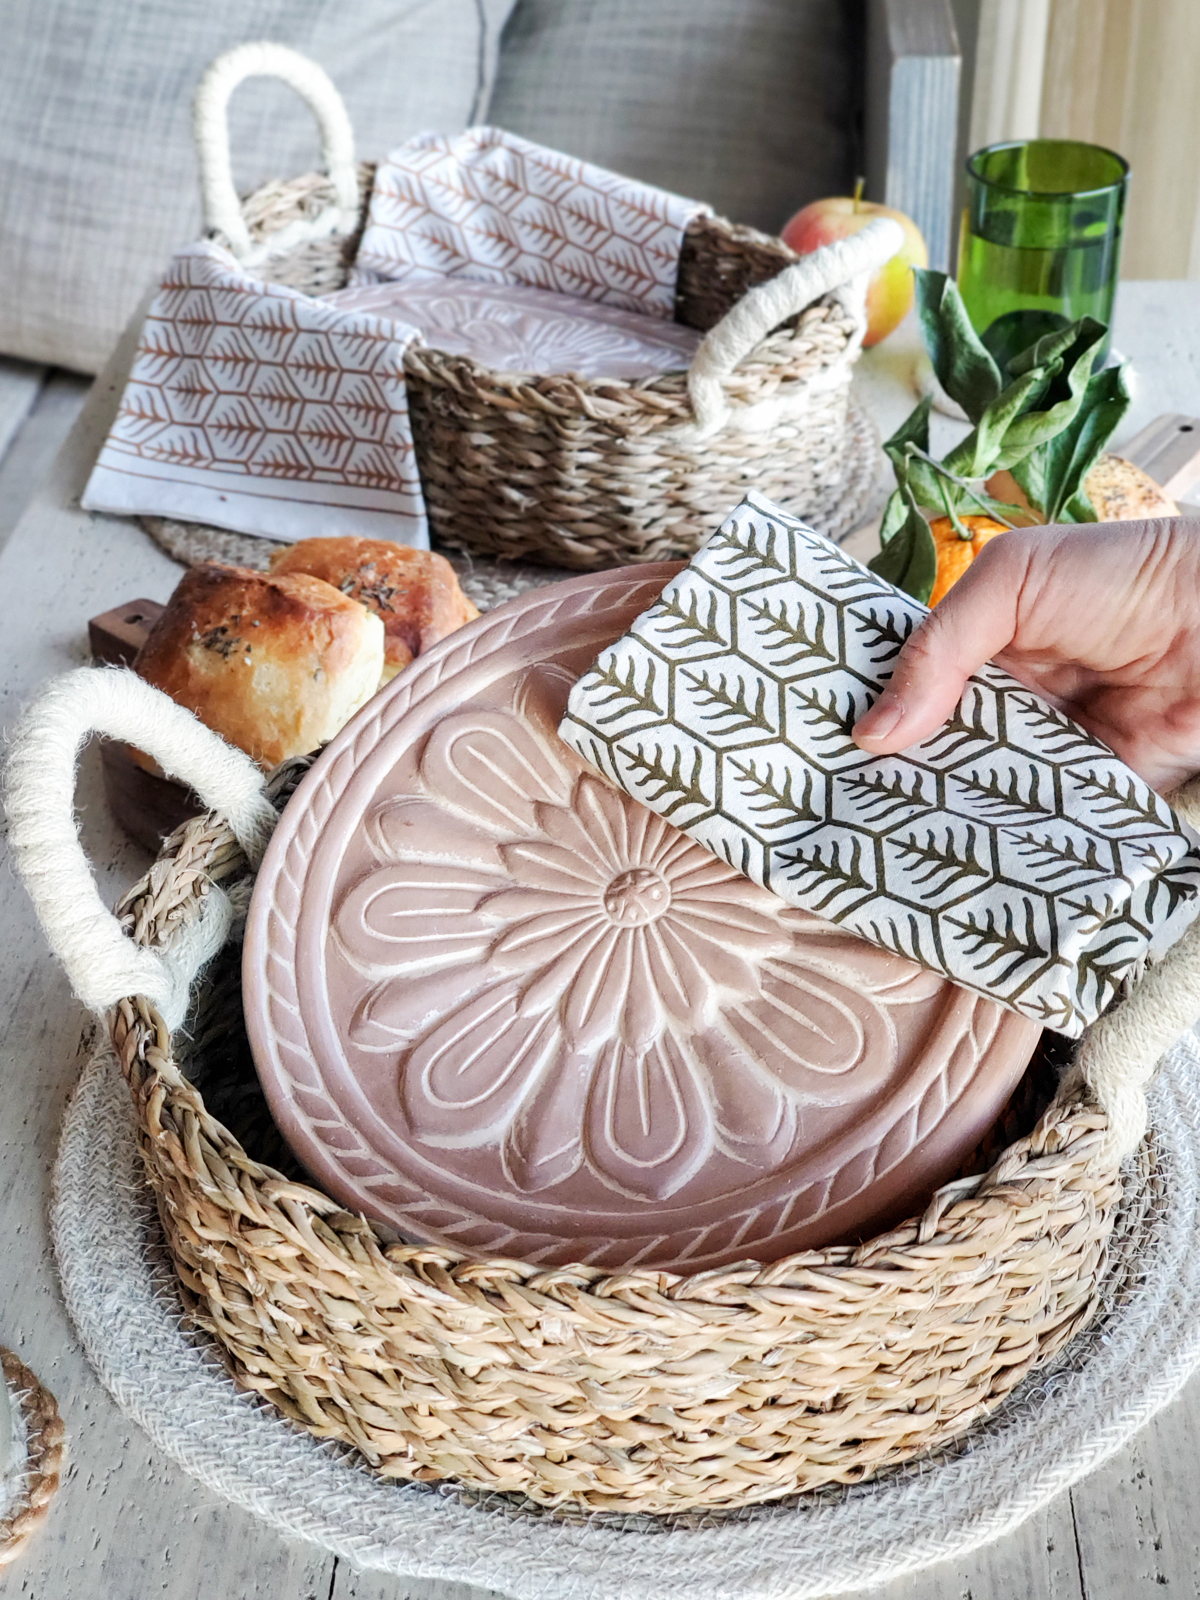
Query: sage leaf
{"type": "Point", "coordinates": [913, 430]}
{"type": "Point", "coordinates": [984, 448]}
{"type": "Point", "coordinates": [964, 368]}
{"type": "Point", "coordinates": [1053, 475]}
{"type": "Point", "coordinates": [1066, 395]}
{"type": "Point", "coordinates": [909, 558]}
{"type": "Point", "coordinates": [894, 515]}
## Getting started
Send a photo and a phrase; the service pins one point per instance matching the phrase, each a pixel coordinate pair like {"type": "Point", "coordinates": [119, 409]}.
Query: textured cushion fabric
{"type": "Point", "coordinates": [98, 178]}
{"type": "Point", "coordinates": [746, 104]}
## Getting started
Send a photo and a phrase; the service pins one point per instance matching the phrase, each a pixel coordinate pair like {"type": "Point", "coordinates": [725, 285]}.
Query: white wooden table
{"type": "Point", "coordinates": [129, 1524]}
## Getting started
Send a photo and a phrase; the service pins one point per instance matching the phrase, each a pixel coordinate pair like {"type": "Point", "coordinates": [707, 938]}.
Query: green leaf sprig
{"type": "Point", "coordinates": [1048, 425]}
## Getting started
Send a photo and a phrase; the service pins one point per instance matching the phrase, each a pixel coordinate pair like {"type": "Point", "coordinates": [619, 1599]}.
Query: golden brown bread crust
{"type": "Point", "coordinates": [1122, 492]}
{"type": "Point", "coordinates": [414, 592]}
{"type": "Point", "coordinates": [275, 665]}
{"type": "Point", "coordinates": [1119, 492]}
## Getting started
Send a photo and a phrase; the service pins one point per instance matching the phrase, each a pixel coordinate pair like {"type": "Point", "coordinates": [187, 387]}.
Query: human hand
{"type": "Point", "coordinates": [1102, 620]}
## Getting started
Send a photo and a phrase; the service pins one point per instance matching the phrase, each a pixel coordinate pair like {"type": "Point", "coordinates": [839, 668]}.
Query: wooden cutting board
{"type": "Point", "coordinates": [147, 805]}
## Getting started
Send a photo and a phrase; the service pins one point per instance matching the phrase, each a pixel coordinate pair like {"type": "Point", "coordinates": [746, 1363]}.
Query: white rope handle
{"type": "Point", "coordinates": [103, 965]}
{"type": "Point", "coordinates": [845, 265]}
{"type": "Point", "coordinates": [210, 124]}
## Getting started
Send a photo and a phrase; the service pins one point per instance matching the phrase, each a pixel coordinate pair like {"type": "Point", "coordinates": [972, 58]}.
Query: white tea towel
{"type": "Point", "coordinates": [254, 407]}
{"type": "Point", "coordinates": [489, 205]}
{"type": "Point", "coordinates": [1012, 851]}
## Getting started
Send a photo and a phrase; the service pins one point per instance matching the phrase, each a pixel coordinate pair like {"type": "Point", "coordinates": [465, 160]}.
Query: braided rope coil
{"type": "Point", "coordinates": [33, 1475]}
{"type": "Point", "coordinates": [638, 1390]}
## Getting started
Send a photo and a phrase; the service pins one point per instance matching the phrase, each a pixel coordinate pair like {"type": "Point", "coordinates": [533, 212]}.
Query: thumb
{"type": "Point", "coordinates": [973, 622]}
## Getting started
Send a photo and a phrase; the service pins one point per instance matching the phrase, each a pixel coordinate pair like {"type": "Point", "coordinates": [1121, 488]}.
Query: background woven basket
{"type": "Point", "coordinates": [586, 473]}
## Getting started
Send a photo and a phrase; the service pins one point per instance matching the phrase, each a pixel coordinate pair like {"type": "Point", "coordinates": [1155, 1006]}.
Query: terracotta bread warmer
{"type": "Point", "coordinates": [497, 1003]}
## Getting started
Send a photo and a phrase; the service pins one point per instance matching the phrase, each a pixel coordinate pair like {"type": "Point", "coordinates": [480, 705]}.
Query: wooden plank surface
{"type": "Point", "coordinates": [20, 383]}
{"type": "Point", "coordinates": [35, 440]}
{"type": "Point", "coordinates": [129, 1524]}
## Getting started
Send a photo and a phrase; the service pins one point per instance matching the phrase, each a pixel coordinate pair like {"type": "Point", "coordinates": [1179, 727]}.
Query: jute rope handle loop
{"type": "Point", "coordinates": [210, 124]}
{"type": "Point", "coordinates": [845, 265]}
{"type": "Point", "coordinates": [101, 962]}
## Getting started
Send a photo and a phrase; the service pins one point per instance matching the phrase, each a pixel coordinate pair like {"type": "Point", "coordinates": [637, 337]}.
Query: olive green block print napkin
{"type": "Point", "coordinates": [1012, 851]}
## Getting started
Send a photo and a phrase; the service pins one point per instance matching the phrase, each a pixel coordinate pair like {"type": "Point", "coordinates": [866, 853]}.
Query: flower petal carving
{"type": "Point", "coordinates": [413, 915]}
{"type": "Point", "coordinates": [806, 1027]}
{"type": "Point", "coordinates": [568, 979]}
{"type": "Point", "coordinates": [647, 1126]}
{"type": "Point", "coordinates": [554, 868]}
{"type": "Point", "coordinates": [543, 1144]}
{"type": "Point", "coordinates": [412, 829]}
{"type": "Point", "coordinates": [487, 766]}
{"type": "Point", "coordinates": [463, 1084]}
{"type": "Point", "coordinates": [754, 1117]}
{"type": "Point", "coordinates": [393, 1014]}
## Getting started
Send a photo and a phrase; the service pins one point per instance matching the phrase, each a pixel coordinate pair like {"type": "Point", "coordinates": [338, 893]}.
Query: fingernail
{"type": "Point", "coordinates": [879, 722]}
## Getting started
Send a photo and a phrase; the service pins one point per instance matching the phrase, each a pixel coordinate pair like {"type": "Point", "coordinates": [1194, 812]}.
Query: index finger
{"type": "Point", "coordinates": [975, 621]}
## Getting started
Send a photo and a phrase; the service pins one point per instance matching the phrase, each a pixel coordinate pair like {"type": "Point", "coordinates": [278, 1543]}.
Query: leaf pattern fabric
{"type": "Point", "coordinates": [254, 407]}
{"type": "Point", "coordinates": [1012, 851]}
{"type": "Point", "coordinates": [489, 205]}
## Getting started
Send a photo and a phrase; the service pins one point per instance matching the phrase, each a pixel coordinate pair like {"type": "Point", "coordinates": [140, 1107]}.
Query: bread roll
{"type": "Point", "coordinates": [275, 665]}
{"type": "Point", "coordinates": [1122, 492]}
{"type": "Point", "coordinates": [1119, 492]}
{"type": "Point", "coordinates": [414, 592]}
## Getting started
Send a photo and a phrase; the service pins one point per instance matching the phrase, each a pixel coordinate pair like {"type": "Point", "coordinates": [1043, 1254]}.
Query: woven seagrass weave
{"type": "Point", "coordinates": [634, 1391]}
{"type": "Point", "coordinates": [586, 473]}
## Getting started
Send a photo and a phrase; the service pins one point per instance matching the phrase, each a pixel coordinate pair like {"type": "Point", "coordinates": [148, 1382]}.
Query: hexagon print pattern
{"type": "Point", "coordinates": [1011, 851]}
{"type": "Point", "coordinates": [256, 407]}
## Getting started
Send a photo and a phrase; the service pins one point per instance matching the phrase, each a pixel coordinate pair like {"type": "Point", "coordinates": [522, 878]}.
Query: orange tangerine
{"type": "Point", "coordinates": [954, 553]}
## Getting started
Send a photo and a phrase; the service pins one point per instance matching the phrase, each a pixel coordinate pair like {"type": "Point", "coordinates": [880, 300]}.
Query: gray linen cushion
{"type": "Point", "coordinates": [98, 180]}
{"type": "Point", "coordinates": [747, 104]}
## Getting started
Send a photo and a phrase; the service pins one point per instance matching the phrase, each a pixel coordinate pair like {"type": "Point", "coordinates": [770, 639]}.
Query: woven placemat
{"type": "Point", "coordinates": [489, 583]}
{"type": "Point", "coordinates": [29, 1481]}
{"type": "Point", "coordinates": [1065, 1420]}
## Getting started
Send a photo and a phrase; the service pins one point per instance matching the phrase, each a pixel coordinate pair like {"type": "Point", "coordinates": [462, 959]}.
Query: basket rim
{"type": "Point", "coordinates": [410, 1350]}
{"type": "Point", "coordinates": [964, 1503]}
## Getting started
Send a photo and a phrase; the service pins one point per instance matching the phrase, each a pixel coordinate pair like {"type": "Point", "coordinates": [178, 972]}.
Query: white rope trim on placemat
{"type": "Point", "coordinates": [1060, 1424]}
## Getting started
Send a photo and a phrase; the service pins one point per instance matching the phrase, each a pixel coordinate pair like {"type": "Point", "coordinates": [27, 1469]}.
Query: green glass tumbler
{"type": "Point", "coordinates": [1041, 239]}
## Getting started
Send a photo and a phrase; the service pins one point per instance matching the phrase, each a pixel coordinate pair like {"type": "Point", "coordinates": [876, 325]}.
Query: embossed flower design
{"type": "Point", "coordinates": [569, 982]}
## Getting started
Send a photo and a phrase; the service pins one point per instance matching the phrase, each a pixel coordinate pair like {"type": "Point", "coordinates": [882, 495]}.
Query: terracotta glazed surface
{"type": "Point", "coordinates": [498, 1004]}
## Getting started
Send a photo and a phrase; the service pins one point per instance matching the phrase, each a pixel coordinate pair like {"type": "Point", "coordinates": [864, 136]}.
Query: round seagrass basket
{"type": "Point", "coordinates": [600, 1391]}
{"type": "Point", "coordinates": [578, 472]}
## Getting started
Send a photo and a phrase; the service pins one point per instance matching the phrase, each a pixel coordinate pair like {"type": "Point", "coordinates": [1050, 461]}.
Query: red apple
{"type": "Point", "coordinates": [890, 294]}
